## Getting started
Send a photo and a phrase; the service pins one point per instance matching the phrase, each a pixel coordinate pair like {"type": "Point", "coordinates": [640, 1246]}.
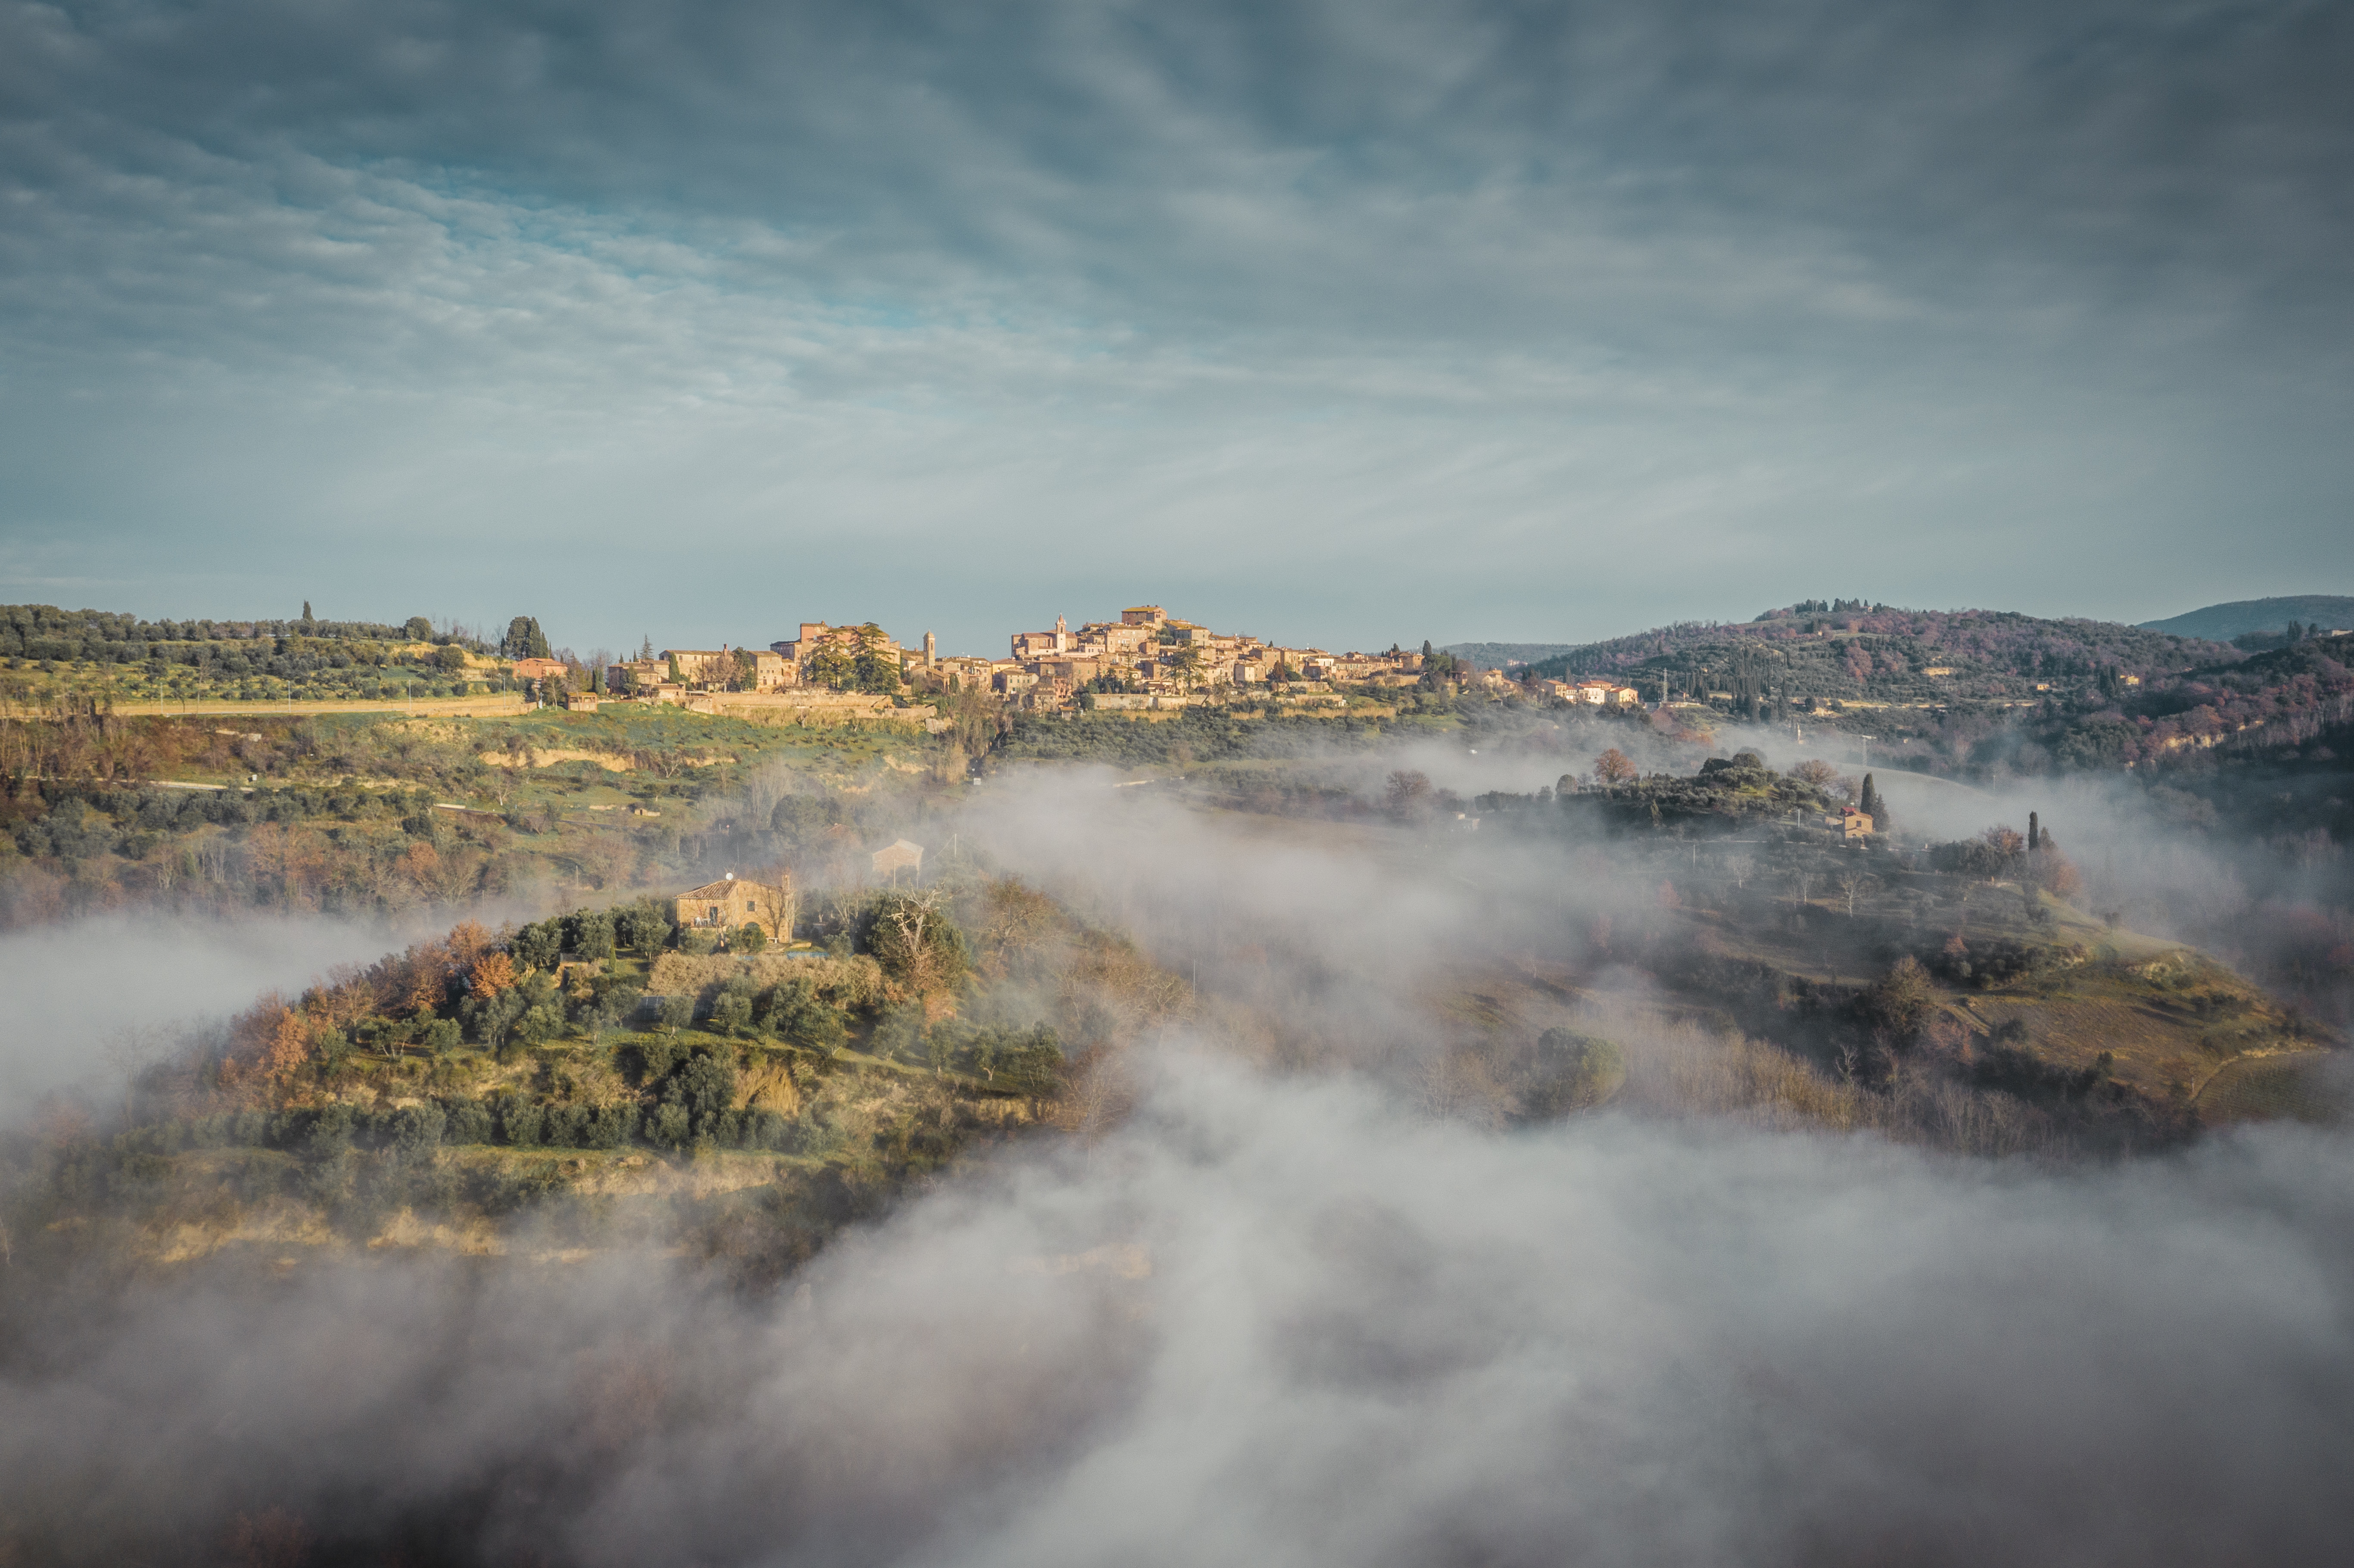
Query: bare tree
{"type": "Point", "coordinates": [1852, 884]}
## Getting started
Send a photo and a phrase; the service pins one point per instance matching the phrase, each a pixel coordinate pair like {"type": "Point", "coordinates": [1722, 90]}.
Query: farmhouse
{"type": "Point", "coordinates": [735, 901]}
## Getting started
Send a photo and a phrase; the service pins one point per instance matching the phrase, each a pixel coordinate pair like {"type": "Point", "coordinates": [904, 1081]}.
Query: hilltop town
{"type": "Point", "coordinates": [1147, 661]}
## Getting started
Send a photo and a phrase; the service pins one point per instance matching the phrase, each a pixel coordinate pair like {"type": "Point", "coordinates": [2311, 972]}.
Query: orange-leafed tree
{"type": "Point", "coordinates": [427, 970]}
{"type": "Point", "coordinates": [267, 1042]}
{"type": "Point", "coordinates": [1614, 766]}
{"type": "Point", "coordinates": [491, 973]}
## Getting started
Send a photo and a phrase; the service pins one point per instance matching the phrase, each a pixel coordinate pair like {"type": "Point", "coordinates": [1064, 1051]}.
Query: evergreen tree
{"type": "Point", "coordinates": [306, 612]}
{"type": "Point", "coordinates": [524, 640]}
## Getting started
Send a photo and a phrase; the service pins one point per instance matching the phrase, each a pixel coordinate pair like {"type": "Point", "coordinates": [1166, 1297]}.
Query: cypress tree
{"type": "Point", "coordinates": [2034, 834]}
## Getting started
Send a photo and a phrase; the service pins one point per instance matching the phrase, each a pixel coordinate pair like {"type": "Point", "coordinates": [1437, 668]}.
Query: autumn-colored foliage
{"type": "Point", "coordinates": [468, 942]}
{"type": "Point", "coordinates": [491, 973]}
{"type": "Point", "coordinates": [267, 1042]}
{"type": "Point", "coordinates": [1613, 767]}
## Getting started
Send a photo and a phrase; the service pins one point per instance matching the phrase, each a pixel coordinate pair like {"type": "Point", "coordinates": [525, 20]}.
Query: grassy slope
{"type": "Point", "coordinates": [2221, 622]}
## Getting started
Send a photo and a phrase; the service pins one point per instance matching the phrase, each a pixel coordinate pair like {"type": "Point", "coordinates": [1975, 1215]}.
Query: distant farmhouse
{"type": "Point", "coordinates": [734, 901]}
{"type": "Point", "coordinates": [894, 858]}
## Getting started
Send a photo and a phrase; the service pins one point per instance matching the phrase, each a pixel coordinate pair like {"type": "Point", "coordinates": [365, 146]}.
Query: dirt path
{"type": "Point", "coordinates": [2201, 1087]}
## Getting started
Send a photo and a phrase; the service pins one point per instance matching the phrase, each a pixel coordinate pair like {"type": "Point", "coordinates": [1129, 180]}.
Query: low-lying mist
{"type": "Point", "coordinates": [1283, 1320]}
{"type": "Point", "coordinates": [1279, 1313]}
{"type": "Point", "coordinates": [93, 1000]}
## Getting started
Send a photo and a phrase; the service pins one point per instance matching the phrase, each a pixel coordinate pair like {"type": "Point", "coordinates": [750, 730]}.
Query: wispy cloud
{"type": "Point", "coordinates": [1119, 287]}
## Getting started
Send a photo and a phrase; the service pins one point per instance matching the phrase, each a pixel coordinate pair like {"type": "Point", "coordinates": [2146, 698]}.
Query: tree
{"type": "Point", "coordinates": [1408, 791]}
{"type": "Point", "coordinates": [493, 973]}
{"type": "Point", "coordinates": [418, 630]}
{"type": "Point", "coordinates": [1852, 884]}
{"type": "Point", "coordinates": [592, 934]}
{"type": "Point", "coordinates": [748, 938]}
{"type": "Point", "coordinates": [911, 936]}
{"type": "Point", "coordinates": [539, 944]}
{"type": "Point", "coordinates": [676, 679]}
{"type": "Point", "coordinates": [705, 1087]}
{"type": "Point", "coordinates": [1903, 998]}
{"type": "Point", "coordinates": [1572, 1072]}
{"type": "Point", "coordinates": [731, 1013]}
{"type": "Point", "coordinates": [306, 612]}
{"type": "Point", "coordinates": [2004, 841]}
{"type": "Point", "coordinates": [449, 657]}
{"type": "Point", "coordinates": [875, 670]}
{"type": "Point", "coordinates": [798, 1016]}
{"type": "Point", "coordinates": [524, 640]}
{"type": "Point", "coordinates": [1815, 771]}
{"type": "Point", "coordinates": [1613, 767]}
{"type": "Point", "coordinates": [645, 927]}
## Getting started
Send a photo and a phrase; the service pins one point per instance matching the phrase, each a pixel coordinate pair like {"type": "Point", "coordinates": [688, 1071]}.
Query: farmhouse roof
{"type": "Point", "coordinates": [725, 885]}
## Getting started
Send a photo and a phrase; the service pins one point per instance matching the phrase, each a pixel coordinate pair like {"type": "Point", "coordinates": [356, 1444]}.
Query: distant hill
{"type": "Point", "coordinates": [2221, 622]}
{"type": "Point", "coordinates": [1877, 654]}
{"type": "Point", "coordinates": [1496, 655]}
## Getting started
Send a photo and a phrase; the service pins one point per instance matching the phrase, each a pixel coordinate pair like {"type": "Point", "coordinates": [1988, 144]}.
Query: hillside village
{"type": "Point", "coordinates": [1146, 661]}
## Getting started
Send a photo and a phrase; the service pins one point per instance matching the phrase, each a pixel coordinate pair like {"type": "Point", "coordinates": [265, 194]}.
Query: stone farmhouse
{"type": "Point", "coordinates": [1599, 694]}
{"type": "Point", "coordinates": [734, 901]}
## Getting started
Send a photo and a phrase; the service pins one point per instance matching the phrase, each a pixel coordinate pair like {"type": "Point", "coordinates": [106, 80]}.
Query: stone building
{"type": "Point", "coordinates": [735, 901]}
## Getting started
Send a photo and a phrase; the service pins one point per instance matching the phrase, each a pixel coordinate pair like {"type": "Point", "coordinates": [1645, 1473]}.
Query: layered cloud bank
{"type": "Point", "coordinates": [2013, 305]}
{"type": "Point", "coordinates": [1282, 1315]}
{"type": "Point", "coordinates": [1282, 1321]}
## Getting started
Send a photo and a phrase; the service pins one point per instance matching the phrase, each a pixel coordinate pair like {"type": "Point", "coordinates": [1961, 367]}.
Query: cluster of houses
{"type": "Point", "coordinates": [1147, 658]}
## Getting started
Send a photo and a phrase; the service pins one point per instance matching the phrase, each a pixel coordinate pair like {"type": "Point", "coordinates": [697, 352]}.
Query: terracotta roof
{"type": "Point", "coordinates": [726, 886]}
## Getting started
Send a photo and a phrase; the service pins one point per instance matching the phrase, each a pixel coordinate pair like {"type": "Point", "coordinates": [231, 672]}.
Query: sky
{"type": "Point", "coordinates": [1335, 323]}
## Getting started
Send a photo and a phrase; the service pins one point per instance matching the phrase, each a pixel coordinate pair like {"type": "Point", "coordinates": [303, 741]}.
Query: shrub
{"type": "Point", "coordinates": [522, 1122]}
{"type": "Point", "coordinates": [469, 1122]}
{"type": "Point", "coordinates": [671, 1127]}
{"type": "Point", "coordinates": [414, 1133]}
{"type": "Point", "coordinates": [705, 1087]}
{"type": "Point", "coordinates": [731, 1014]}
{"type": "Point", "coordinates": [796, 1014]}
{"type": "Point", "coordinates": [1573, 1071]}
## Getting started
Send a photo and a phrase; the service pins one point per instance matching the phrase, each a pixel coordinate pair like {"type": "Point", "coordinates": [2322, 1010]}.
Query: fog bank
{"type": "Point", "coordinates": [1287, 1323]}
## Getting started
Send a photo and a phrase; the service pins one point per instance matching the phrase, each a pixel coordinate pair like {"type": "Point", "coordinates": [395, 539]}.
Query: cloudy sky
{"type": "Point", "coordinates": [1346, 323]}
